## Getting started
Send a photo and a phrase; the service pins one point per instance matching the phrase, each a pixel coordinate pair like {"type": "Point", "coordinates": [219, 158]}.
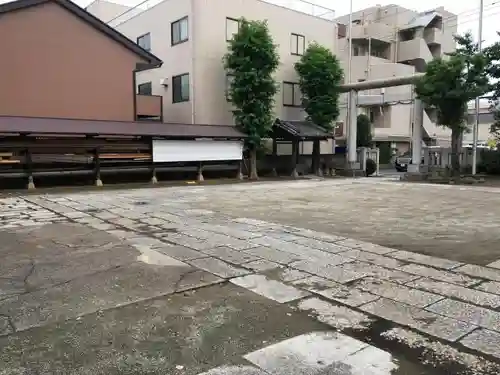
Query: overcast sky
{"type": "Point", "coordinates": [467, 11]}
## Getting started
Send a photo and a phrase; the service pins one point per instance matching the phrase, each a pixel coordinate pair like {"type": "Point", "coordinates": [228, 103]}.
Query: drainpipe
{"type": "Point", "coordinates": [192, 38]}
{"type": "Point", "coordinates": [369, 61]}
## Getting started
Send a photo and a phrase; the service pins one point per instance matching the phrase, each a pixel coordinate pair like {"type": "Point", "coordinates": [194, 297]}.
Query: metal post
{"type": "Point", "coordinates": [475, 129]}
{"type": "Point", "coordinates": [416, 139]}
{"type": "Point", "coordinates": [352, 138]}
{"type": "Point", "coordinates": [349, 77]}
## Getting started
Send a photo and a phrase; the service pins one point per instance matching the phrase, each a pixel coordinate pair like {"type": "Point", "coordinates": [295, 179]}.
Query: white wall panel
{"type": "Point", "coordinates": [202, 150]}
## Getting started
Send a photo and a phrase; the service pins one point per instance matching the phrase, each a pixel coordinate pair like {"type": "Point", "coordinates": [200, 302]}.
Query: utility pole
{"type": "Point", "coordinates": [475, 128]}
{"type": "Point", "coordinates": [349, 97]}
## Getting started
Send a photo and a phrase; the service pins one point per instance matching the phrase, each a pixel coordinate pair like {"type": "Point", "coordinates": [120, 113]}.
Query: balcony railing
{"type": "Point", "coordinates": [375, 31]}
{"type": "Point", "coordinates": [301, 6]}
{"type": "Point", "coordinates": [149, 107]}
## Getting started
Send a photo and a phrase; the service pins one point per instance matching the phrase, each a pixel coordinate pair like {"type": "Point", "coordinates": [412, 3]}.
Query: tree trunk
{"type": "Point", "coordinates": [253, 164]}
{"type": "Point", "coordinates": [455, 151]}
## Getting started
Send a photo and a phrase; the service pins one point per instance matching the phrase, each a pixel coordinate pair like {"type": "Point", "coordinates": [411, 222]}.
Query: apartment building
{"type": "Point", "coordinates": [390, 41]}
{"type": "Point", "coordinates": [191, 38]}
{"type": "Point", "coordinates": [486, 119]}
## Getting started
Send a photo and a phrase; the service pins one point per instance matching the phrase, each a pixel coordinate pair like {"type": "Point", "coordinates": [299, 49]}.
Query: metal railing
{"type": "Point", "coordinates": [301, 6]}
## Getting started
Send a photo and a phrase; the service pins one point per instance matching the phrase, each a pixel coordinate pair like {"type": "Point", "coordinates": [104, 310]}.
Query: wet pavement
{"type": "Point", "coordinates": [173, 281]}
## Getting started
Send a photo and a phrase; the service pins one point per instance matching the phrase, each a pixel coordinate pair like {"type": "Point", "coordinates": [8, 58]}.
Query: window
{"type": "Point", "coordinates": [180, 32]}
{"type": "Point", "coordinates": [229, 79]}
{"type": "Point", "coordinates": [145, 88]}
{"type": "Point", "coordinates": [180, 88]}
{"type": "Point", "coordinates": [144, 41]}
{"type": "Point", "coordinates": [232, 27]}
{"type": "Point", "coordinates": [298, 44]}
{"type": "Point", "coordinates": [292, 97]}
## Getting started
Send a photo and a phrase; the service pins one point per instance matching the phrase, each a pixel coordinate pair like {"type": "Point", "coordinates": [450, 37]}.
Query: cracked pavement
{"type": "Point", "coordinates": [192, 280]}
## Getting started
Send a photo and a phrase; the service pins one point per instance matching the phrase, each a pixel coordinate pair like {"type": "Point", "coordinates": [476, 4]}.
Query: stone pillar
{"type": "Point", "coordinates": [29, 167]}
{"type": "Point", "coordinates": [97, 168]}
{"type": "Point", "coordinates": [239, 173]}
{"type": "Point", "coordinates": [295, 155]}
{"type": "Point", "coordinates": [154, 180]}
{"type": "Point", "coordinates": [200, 173]}
{"type": "Point", "coordinates": [416, 139]}
{"type": "Point", "coordinates": [352, 136]}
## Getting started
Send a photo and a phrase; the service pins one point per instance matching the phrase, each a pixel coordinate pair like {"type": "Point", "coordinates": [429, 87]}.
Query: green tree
{"type": "Point", "coordinates": [364, 131]}
{"type": "Point", "coordinates": [449, 84]}
{"type": "Point", "coordinates": [493, 55]}
{"type": "Point", "coordinates": [251, 60]}
{"type": "Point", "coordinates": [320, 77]}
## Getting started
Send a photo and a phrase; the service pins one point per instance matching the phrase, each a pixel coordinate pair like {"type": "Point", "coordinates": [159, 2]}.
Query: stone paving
{"type": "Point", "coordinates": [447, 310]}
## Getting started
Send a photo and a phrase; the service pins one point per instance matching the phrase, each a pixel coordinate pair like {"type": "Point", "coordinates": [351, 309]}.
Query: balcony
{"type": "Point", "coordinates": [433, 36]}
{"type": "Point", "coordinates": [149, 107]}
{"type": "Point", "coordinates": [414, 52]}
{"type": "Point", "coordinates": [375, 31]}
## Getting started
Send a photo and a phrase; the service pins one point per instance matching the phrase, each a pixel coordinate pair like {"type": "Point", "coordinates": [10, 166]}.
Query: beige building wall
{"type": "Point", "coordinates": [380, 50]}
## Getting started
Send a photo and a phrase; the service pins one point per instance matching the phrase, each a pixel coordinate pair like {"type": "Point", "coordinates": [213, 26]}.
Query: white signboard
{"type": "Point", "coordinates": [202, 150]}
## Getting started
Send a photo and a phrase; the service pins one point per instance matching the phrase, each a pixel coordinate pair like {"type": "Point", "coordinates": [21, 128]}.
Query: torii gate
{"type": "Point", "coordinates": [353, 88]}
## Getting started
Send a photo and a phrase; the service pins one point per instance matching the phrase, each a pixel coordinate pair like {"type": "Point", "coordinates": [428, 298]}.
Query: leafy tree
{"type": "Point", "coordinates": [251, 60]}
{"type": "Point", "coordinates": [449, 84]}
{"type": "Point", "coordinates": [364, 131]}
{"type": "Point", "coordinates": [320, 77]}
{"type": "Point", "coordinates": [493, 55]}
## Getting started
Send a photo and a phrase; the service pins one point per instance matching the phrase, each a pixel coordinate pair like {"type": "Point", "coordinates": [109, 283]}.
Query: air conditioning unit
{"type": "Point", "coordinates": [164, 82]}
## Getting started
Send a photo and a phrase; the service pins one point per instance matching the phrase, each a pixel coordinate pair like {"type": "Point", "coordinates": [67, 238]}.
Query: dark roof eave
{"type": "Point", "coordinates": [90, 19]}
{"type": "Point", "coordinates": [44, 125]}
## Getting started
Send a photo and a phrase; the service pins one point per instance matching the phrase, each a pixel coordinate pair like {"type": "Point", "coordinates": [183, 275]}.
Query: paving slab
{"type": "Point", "coordinates": [425, 260]}
{"type": "Point", "coordinates": [489, 287]}
{"type": "Point", "coordinates": [377, 259]}
{"type": "Point", "coordinates": [286, 275]}
{"type": "Point", "coordinates": [366, 246]}
{"type": "Point", "coordinates": [300, 250]}
{"type": "Point", "coordinates": [338, 317]}
{"type": "Point", "coordinates": [235, 370]}
{"type": "Point", "coordinates": [436, 353]}
{"type": "Point", "coordinates": [484, 341]}
{"type": "Point", "coordinates": [321, 245]}
{"type": "Point", "coordinates": [468, 313]}
{"type": "Point", "coordinates": [261, 265]}
{"type": "Point", "coordinates": [179, 252]}
{"type": "Point", "coordinates": [479, 272]}
{"type": "Point", "coordinates": [347, 295]}
{"type": "Point", "coordinates": [397, 292]}
{"type": "Point", "coordinates": [218, 267]}
{"type": "Point", "coordinates": [379, 272]}
{"type": "Point", "coordinates": [100, 291]}
{"type": "Point", "coordinates": [314, 283]}
{"type": "Point", "coordinates": [269, 288]}
{"type": "Point", "coordinates": [335, 273]}
{"type": "Point", "coordinates": [198, 331]}
{"type": "Point", "coordinates": [419, 319]}
{"type": "Point", "coordinates": [455, 291]}
{"type": "Point", "coordinates": [230, 255]}
{"type": "Point", "coordinates": [304, 354]}
{"type": "Point", "coordinates": [274, 255]}
{"type": "Point", "coordinates": [441, 275]}
{"type": "Point", "coordinates": [495, 264]}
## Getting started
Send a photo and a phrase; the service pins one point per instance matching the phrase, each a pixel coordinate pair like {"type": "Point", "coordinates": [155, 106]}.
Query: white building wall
{"type": "Point", "coordinates": [211, 45]}
{"type": "Point", "coordinates": [176, 59]}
